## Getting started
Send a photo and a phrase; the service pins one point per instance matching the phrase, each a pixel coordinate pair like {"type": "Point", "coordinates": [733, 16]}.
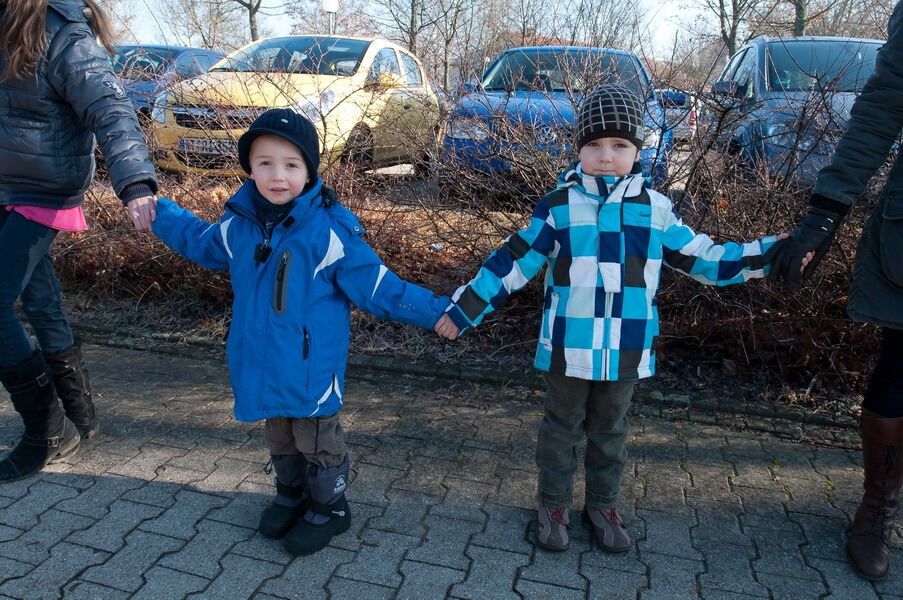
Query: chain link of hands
{"type": "Point", "coordinates": [142, 212]}
{"type": "Point", "coordinates": [446, 328]}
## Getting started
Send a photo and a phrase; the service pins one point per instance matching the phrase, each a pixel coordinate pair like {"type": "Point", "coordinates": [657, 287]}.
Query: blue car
{"type": "Point", "coordinates": [520, 116]}
{"type": "Point", "coordinates": [146, 70]}
{"type": "Point", "coordinates": [780, 105]}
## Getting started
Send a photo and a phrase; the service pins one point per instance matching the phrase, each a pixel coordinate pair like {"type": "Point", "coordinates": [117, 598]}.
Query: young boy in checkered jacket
{"type": "Point", "coordinates": [605, 236]}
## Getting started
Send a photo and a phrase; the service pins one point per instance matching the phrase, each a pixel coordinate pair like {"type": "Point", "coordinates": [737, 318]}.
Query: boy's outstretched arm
{"type": "Point", "coordinates": [696, 255]}
{"type": "Point", "coordinates": [505, 271]}
{"type": "Point", "coordinates": [197, 240]}
{"type": "Point", "coordinates": [371, 286]}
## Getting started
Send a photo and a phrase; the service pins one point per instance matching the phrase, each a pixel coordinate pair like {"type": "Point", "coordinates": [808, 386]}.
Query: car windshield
{"type": "Point", "coordinates": [563, 71]}
{"type": "Point", "coordinates": [302, 54]}
{"type": "Point", "coordinates": [145, 64]}
{"type": "Point", "coordinates": [841, 66]}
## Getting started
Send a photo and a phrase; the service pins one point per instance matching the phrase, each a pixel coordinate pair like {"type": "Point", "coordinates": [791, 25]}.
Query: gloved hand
{"type": "Point", "coordinates": [814, 233]}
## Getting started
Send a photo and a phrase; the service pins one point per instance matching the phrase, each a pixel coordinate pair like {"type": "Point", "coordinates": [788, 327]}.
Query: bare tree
{"type": "Point", "coordinates": [736, 17]}
{"type": "Point", "coordinates": [212, 24]}
{"type": "Point", "coordinates": [450, 16]}
{"type": "Point", "coordinates": [404, 20]}
{"type": "Point", "coordinates": [308, 17]}
{"type": "Point", "coordinates": [604, 23]}
{"type": "Point", "coordinates": [122, 18]}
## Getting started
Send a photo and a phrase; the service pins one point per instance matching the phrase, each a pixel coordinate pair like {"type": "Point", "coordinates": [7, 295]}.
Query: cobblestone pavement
{"type": "Point", "coordinates": [163, 503]}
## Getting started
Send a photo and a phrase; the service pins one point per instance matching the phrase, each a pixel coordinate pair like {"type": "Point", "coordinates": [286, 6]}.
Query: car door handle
{"type": "Point", "coordinates": [408, 106]}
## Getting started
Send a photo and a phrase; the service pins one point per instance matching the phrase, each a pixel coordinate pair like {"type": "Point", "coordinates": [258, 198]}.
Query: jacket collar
{"type": "Point", "coordinates": [242, 202]}
{"type": "Point", "coordinates": [598, 188]}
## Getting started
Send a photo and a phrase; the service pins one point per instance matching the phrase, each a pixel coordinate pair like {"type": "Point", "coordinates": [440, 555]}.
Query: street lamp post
{"type": "Point", "coordinates": [331, 7]}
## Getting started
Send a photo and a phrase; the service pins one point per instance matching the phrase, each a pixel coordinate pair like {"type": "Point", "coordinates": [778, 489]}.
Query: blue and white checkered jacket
{"type": "Point", "coordinates": [604, 250]}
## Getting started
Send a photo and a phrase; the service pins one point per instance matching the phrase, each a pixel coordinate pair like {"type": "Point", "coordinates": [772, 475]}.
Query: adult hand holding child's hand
{"type": "Point", "coordinates": [447, 328]}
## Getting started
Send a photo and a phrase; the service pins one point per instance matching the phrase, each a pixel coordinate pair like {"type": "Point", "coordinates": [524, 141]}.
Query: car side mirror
{"type": "Point", "coordinates": [725, 88]}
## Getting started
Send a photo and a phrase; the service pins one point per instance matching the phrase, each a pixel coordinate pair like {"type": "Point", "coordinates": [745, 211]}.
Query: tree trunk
{"type": "Point", "coordinates": [252, 21]}
{"type": "Point", "coordinates": [799, 17]}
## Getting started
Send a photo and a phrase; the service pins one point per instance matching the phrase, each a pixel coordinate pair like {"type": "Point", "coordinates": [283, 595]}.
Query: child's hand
{"type": "Point", "coordinates": [447, 328]}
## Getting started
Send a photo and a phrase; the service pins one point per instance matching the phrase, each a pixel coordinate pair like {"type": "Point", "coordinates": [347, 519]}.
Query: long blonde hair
{"type": "Point", "coordinates": [23, 40]}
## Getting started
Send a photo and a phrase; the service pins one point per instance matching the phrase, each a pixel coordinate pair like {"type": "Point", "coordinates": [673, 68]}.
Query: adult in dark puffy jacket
{"type": "Point", "coordinates": [57, 92]}
{"type": "Point", "coordinates": [876, 295]}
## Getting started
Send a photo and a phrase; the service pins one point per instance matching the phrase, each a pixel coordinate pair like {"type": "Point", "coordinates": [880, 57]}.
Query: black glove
{"type": "Point", "coordinates": [815, 232]}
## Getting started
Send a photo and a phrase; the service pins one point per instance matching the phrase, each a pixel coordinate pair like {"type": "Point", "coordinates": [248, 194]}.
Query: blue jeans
{"type": "Point", "coordinates": [26, 272]}
{"type": "Point", "coordinates": [578, 410]}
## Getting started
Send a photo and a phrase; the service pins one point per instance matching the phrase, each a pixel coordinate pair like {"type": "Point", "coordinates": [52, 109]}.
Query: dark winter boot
{"type": "Point", "coordinates": [868, 538]}
{"type": "Point", "coordinates": [328, 514]}
{"type": "Point", "coordinates": [71, 381]}
{"type": "Point", "coordinates": [49, 435]}
{"type": "Point", "coordinates": [291, 495]}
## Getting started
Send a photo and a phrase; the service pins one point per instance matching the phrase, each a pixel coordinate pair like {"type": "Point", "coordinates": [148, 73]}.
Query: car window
{"type": "Point", "coordinates": [385, 61]}
{"type": "Point", "coordinates": [299, 54]}
{"type": "Point", "coordinates": [745, 75]}
{"type": "Point", "coordinates": [205, 61]}
{"type": "Point", "coordinates": [146, 64]}
{"type": "Point", "coordinates": [731, 67]}
{"type": "Point", "coordinates": [563, 71]}
{"type": "Point", "coordinates": [842, 65]}
{"type": "Point", "coordinates": [187, 65]}
{"type": "Point", "coordinates": [412, 74]}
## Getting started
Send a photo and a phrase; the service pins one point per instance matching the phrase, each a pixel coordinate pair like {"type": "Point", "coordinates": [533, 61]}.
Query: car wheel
{"type": "Point", "coordinates": [358, 153]}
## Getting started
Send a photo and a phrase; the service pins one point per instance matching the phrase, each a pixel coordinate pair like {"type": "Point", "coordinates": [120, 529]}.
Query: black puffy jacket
{"type": "Point", "coordinates": [49, 120]}
{"type": "Point", "coordinates": [876, 122]}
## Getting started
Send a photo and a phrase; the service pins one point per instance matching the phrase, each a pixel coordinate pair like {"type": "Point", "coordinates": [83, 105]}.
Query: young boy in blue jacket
{"type": "Point", "coordinates": [297, 262]}
{"type": "Point", "coordinates": [604, 236]}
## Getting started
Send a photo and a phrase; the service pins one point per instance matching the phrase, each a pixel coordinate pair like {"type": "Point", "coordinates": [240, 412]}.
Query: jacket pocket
{"type": "Point", "coordinates": [280, 286]}
{"type": "Point", "coordinates": [890, 241]}
{"type": "Point", "coordinates": [305, 356]}
{"type": "Point", "coordinates": [553, 310]}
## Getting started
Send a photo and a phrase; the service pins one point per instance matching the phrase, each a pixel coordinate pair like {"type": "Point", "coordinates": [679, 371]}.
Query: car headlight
{"type": "Point", "coordinates": [158, 109]}
{"type": "Point", "coordinates": [316, 106]}
{"type": "Point", "coordinates": [467, 129]}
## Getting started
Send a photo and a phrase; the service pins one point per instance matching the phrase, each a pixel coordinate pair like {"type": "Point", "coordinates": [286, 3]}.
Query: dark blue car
{"type": "Point", "coordinates": [146, 70]}
{"type": "Point", "coordinates": [781, 104]}
{"type": "Point", "coordinates": [522, 111]}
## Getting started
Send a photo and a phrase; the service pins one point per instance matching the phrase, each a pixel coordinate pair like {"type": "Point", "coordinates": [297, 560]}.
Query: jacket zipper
{"type": "Point", "coordinates": [281, 282]}
{"type": "Point", "coordinates": [306, 351]}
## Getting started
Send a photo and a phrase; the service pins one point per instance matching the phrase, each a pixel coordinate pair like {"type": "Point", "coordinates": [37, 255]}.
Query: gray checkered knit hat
{"type": "Point", "coordinates": [610, 111]}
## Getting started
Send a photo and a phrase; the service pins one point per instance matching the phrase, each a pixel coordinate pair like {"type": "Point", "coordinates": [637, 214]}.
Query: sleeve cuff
{"type": "Point", "coordinates": [820, 202]}
{"type": "Point", "coordinates": [458, 318]}
{"type": "Point", "coordinates": [138, 189]}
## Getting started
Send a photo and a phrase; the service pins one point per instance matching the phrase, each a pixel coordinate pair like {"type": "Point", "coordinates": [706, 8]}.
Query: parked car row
{"type": "Point", "coordinates": [779, 102]}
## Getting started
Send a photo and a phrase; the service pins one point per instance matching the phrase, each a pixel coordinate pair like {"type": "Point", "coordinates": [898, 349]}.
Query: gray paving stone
{"type": "Point", "coordinates": [717, 522]}
{"type": "Point", "coordinates": [361, 516]}
{"type": "Point", "coordinates": [10, 569]}
{"type": "Point", "coordinates": [162, 584]}
{"type": "Point", "coordinates": [26, 511]}
{"type": "Point", "coordinates": [729, 569]}
{"type": "Point", "coordinates": [110, 532]}
{"type": "Point", "coordinates": [425, 475]}
{"type": "Point", "coordinates": [404, 513]}
{"type": "Point", "coordinates": [843, 581]}
{"type": "Point", "coordinates": [315, 571]}
{"type": "Point", "coordinates": [85, 590]}
{"type": "Point", "coordinates": [95, 501]}
{"type": "Point", "coordinates": [518, 489]}
{"type": "Point", "coordinates": [226, 477]}
{"type": "Point", "coordinates": [372, 483]}
{"type": "Point", "coordinates": [558, 568]}
{"type": "Point", "coordinates": [824, 537]}
{"type": "Point", "coordinates": [240, 578]}
{"type": "Point", "coordinates": [670, 577]}
{"type": "Point", "coordinates": [423, 580]}
{"type": "Point", "coordinates": [667, 533]}
{"type": "Point", "coordinates": [765, 509]}
{"type": "Point", "coordinates": [34, 545]}
{"type": "Point", "coordinates": [125, 569]}
{"type": "Point", "coordinates": [506, 529]}
{"type": "Point", "coordinates": [463, 500]}
{"type": "Point", "coordinates": [340, 587]}
{"type": "Point", "coordinates": [612, 584]}
{"type": "Point", "coordinates": [664, 489]}
{"type": "Point", "coordinates": [492, 575]}
{"type": "Point", "coordinates": [536, 589]}
{"type": "Point", "coordinates": [201, 556]}
{"type": "Point", "coordinates": [179, 520]}
{"type": "Point", "coordinates": [378, 561]}
{"type": "Point", "coordinates": [789, 588]}
{"type": "Point", "coordinates": [780, 555]}
{"type": "Point", "coordinates": [243, 510]}
{"type": "Point", "coordinates": [155, 493]}
{"type": "Point", "coordinates": [9, 533]}
{"type": "Point", "coordinates": [444, 543]}
{"type": "Point", "coordinates": [145, 465]}
{"type": "Point", "coordinates": [65, 562]}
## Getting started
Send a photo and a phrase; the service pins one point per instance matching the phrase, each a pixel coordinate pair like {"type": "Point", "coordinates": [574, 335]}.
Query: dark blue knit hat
{"type": "Point", "coordinates": [288, 125]}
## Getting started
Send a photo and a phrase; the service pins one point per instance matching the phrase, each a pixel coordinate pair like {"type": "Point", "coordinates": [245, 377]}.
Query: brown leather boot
{"type": "Point", "coordinates": [868, 538]}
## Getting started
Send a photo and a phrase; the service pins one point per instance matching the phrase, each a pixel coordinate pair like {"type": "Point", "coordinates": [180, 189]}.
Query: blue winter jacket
{"type": "Point", "coordinates": [288, 342]}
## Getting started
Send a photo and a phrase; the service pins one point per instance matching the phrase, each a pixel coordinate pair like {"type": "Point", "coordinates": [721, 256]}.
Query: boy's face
{"type": "Point", "coordinates": [608, 156]}
{"type": "Point", "coordinates": [277, 168]}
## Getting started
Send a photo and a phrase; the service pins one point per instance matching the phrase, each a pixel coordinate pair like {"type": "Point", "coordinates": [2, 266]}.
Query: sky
{"type": "Point", "coordinates": [663, 17]}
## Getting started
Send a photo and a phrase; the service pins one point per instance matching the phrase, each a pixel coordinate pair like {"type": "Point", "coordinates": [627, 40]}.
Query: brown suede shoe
{"type": "Point", "coordinates": [608, 528]}
{"type": "Point", "coordinates": [552, 528]}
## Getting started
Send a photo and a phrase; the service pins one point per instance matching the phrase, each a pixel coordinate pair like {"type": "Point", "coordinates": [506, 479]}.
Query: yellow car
{"type": "Point", "coordinates": [369, 99]}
